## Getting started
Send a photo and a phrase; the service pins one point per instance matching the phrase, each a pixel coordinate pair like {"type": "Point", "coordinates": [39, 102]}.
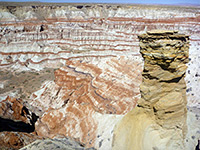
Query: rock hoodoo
{"type": "Point", "coordinates": [159, 120]}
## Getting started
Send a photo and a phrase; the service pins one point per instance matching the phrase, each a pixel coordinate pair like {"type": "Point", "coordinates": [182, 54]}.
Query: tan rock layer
{"type": "Point", "coordinates": [159, 120]}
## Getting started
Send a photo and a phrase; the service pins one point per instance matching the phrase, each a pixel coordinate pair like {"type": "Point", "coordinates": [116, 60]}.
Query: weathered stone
{"type": "Point", "coordinates": [17, 124]}
{"type": "Point", "coordinates": [13, 111]}
{"type": "Point", "coordinates": [15, 140]}
{"type": "Point", "coordinates": [159, 120]}
{"type": "Point", "coordinates": [56, 144]}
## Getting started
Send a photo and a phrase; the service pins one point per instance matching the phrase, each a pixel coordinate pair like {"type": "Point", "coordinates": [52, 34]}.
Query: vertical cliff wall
{"type": "Point", "coordinates": [78, 67]}
{"type": "Point", "coordinates": [159, 120]}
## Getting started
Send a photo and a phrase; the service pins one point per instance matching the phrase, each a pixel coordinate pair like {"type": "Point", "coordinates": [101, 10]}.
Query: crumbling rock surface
{"type": "Point", "coordinates": [16, 140]}
{"type": "Point", "coordinates": [17, 124]}
{"type": "Point", "coordinates": [56, 144]}
{"type": "Point", "coordinates": [14, 116]}
{"type": "Point", "coordinates": [159, 120]}
{"type": "Point", "coordinates": [79, 95]}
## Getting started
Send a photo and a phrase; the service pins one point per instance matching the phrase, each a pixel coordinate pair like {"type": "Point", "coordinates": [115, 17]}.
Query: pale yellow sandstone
{"type": "Point", "coordinates": [159, 120]}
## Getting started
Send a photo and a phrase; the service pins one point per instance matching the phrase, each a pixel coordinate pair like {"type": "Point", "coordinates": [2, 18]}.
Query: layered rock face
{"type": "Point", "coordinates": [78, 67]}
{"type": "Point", "coordinates": [159, 120]}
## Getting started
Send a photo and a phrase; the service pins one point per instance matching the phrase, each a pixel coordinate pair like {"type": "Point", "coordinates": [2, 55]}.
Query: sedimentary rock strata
{"type": "Point", "coordinates": [79, 95]}
{"type": "Point", "coordinates": [159, 120]}
{"type": "Point", "coordinates": [78, 67]}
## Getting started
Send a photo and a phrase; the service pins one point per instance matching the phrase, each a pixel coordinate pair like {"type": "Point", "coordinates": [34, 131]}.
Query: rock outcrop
{"type": "Point", "coordinates": [12, 109]}
{"type": "Point", "coordinates": [159, 120]}
{"type": "Point", "coordinates": [17, 124]}
{"type": "Point", "coordinates": [15, 140]}
{"type": "Point", "coordinates": [56, 144]}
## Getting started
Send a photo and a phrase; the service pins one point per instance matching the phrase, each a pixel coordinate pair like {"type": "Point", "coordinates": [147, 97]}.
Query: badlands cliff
{"type": "Point", "coordinates": [74, 70]}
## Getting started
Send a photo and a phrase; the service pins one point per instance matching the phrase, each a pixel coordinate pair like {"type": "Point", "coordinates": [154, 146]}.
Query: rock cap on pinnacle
{"type": "Point", "coordinates": [156, 32]}
{"type": "Point", "coordinates": [160, 34]}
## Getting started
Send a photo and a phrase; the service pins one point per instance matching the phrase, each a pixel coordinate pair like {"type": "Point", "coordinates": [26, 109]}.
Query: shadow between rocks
{"type": "Point", "coordinates": [198, 145]}
{"type": "Point", "coordinates": [18, 126]}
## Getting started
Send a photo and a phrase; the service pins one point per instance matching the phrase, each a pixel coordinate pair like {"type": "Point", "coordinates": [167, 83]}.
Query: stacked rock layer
{"type": "Point", "coordinates": [159, 120]}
